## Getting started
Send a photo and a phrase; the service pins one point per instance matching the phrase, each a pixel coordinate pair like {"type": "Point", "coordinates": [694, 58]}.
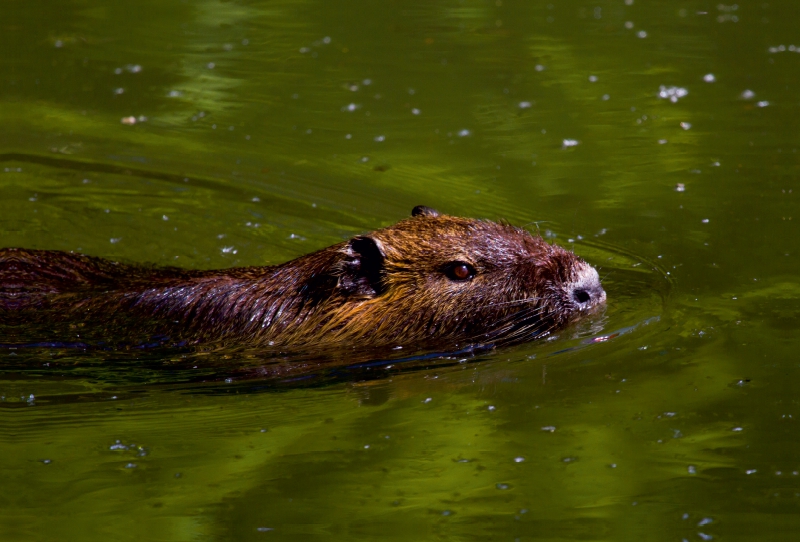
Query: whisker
{"type": "Point", "coordinates": [515, 317]}
{"type": "Point", "coordinates": [516, 301]}
{"type": "Point", "coordinates": [514, 325]}
{"type": "Point", "coordinates": [537, 222]}
{"type": "Point", "coordinates": [525, 332]}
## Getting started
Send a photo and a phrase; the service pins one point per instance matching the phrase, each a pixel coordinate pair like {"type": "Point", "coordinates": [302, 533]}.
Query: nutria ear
{"type": "Point", "coordinates": [421, 210]}
{"type": "Point", "coordinates": [360, 273]}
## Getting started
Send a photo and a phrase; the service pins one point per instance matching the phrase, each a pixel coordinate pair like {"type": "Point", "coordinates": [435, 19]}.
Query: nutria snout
{"type": "Point", "coordinates": [431, 278]}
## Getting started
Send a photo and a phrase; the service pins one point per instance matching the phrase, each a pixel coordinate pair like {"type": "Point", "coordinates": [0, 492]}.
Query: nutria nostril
{"type": "Point", "coordinates": [581, 296]}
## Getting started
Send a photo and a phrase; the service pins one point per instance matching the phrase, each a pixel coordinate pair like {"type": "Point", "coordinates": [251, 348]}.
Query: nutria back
{"type": "Point", "coordinates": [428, 279]}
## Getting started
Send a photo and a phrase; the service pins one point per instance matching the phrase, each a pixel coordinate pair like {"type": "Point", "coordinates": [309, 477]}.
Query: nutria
{"type": "Point", "coordinates": [431, 278]}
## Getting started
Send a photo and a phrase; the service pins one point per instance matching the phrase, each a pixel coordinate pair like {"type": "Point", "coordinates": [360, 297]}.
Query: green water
{"type": "Point", "coordinates": [267, 129]}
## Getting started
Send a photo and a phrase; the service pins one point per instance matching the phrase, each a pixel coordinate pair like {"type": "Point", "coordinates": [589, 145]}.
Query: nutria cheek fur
{"type": "Point", "coordinates": [430, 278]}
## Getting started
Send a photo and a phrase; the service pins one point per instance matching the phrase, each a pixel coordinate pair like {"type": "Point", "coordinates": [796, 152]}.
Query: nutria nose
{"type": "Point", "coordinates": [587, 296]}
{"type": "Point", "coordinates": [585, 291]}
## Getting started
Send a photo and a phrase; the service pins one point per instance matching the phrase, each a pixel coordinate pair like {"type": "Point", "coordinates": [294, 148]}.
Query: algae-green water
{"type": "Point", "coordinates": [656, 139]}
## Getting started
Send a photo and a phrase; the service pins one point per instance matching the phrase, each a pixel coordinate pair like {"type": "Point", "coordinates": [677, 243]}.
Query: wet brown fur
{"type": "Point", "coordinates": [387, 288]}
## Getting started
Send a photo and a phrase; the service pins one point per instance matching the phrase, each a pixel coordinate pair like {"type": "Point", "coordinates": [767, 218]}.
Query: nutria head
{"type": "Point", "coordinates": [438, 277]}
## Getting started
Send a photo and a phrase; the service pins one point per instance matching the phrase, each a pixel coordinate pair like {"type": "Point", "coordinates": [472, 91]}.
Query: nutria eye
{"type": "Point", "coordinates": [459, 271]}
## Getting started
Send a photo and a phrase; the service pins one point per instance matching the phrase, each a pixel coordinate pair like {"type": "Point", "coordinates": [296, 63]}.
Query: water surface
{"type": "Point", "coordinates": [656, 139]}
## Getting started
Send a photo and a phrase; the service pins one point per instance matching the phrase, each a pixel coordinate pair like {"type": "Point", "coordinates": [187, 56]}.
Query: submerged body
{"type": "Point", "coordinates": [428, 279]}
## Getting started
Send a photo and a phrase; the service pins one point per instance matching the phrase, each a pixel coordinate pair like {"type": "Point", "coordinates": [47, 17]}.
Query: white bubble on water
{"type": "Point", "coordinates": [672, 93]}
{"type": "Point", "coordinates": [569, 143]}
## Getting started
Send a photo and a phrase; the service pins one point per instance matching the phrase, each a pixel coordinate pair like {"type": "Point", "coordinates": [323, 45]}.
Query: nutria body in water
{"type": "Point", "coordinates": [429, 279]}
